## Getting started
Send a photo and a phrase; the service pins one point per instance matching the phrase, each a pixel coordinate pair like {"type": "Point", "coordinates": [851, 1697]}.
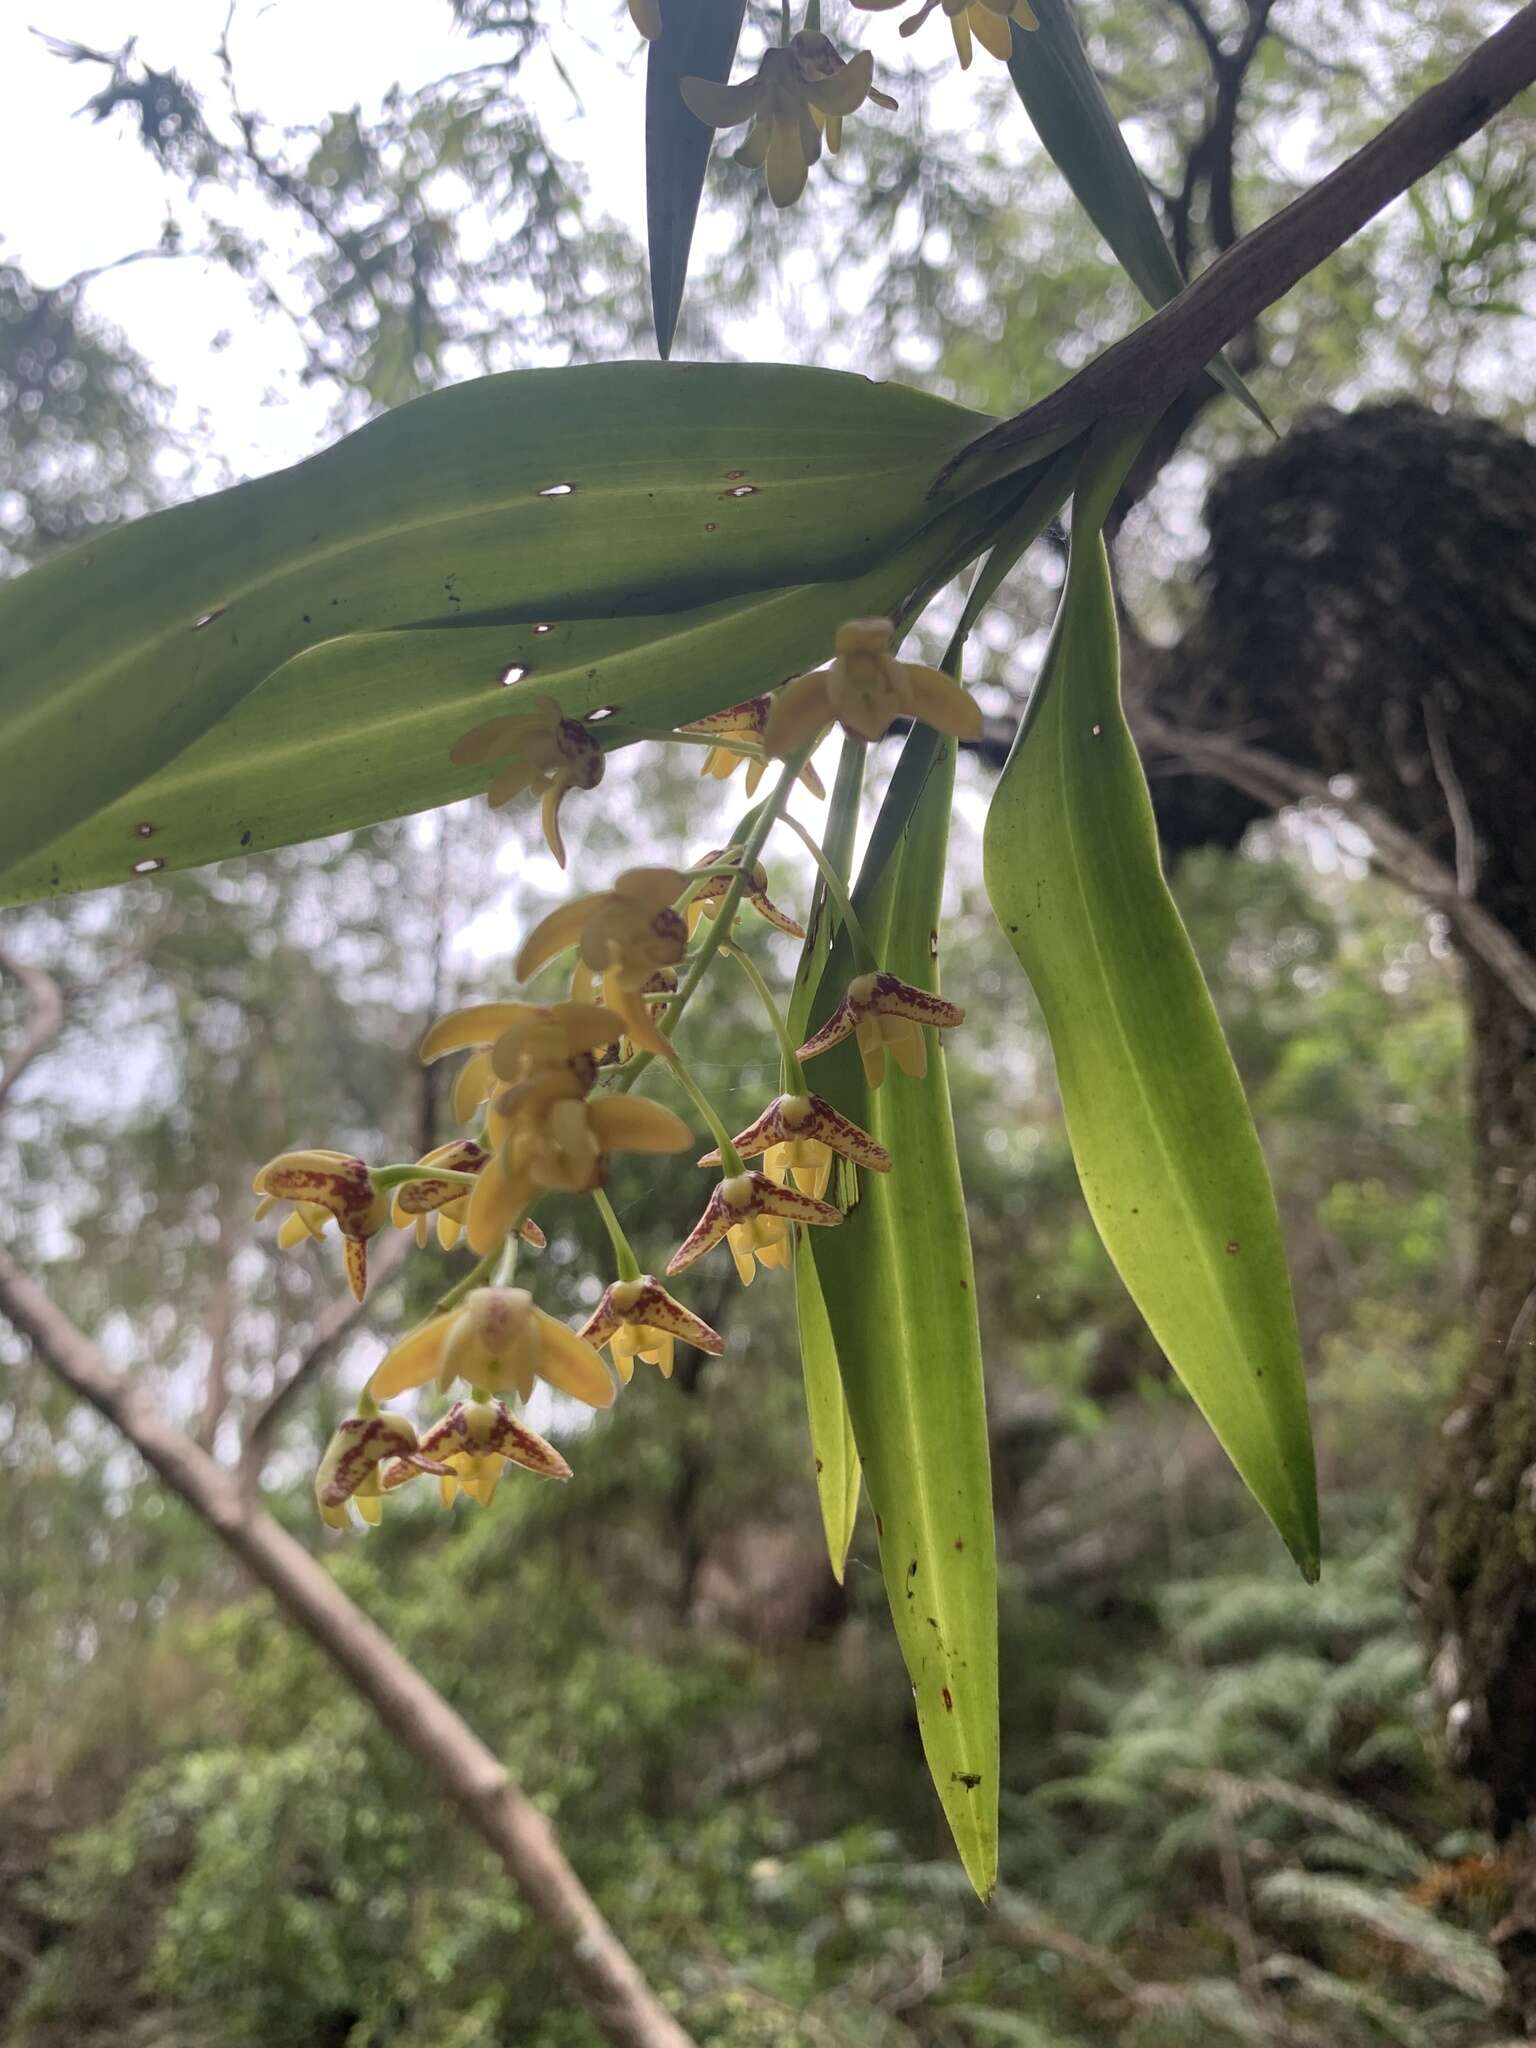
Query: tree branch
{"type": "Point", "coordinates": [336, 1321]}
{"type": "Point", "coordinates": [612, 1991]}
{"type": "Point", "coordinates": [44, 1022]}
{"type": "Point", "coordinates": [1139, 376]}
{"type": "Point", "coordinates": [1396, 853]}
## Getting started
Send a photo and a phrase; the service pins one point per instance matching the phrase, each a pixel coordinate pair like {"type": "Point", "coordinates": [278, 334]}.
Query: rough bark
{"type": "Point", "coordinates": [1371, 612]}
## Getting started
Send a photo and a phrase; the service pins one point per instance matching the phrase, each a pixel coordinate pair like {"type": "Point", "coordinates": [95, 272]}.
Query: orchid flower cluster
{"type": "Point", "coordinates": [804, 88]}
{"type": "Point", "coordinates": [546, 1094]}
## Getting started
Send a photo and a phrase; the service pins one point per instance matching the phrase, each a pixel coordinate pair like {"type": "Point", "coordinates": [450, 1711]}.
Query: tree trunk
{"type": "Point", "coordinates": [1371, 611]}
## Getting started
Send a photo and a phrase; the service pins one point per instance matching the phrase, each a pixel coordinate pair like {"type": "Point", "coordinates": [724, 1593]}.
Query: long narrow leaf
{"type": "Point", "coordinates": [1164, 1142]}
{"type": "Point", "coordinates": [900, 1298]}
{"type": "Point", "coordinates": [698, 39]}
{"type": "Point", "coordinates": [1065, 102]}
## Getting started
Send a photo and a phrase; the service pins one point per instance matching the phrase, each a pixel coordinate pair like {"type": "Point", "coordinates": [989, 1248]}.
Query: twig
{"type": "Point", "coordinates": [1137, 377]}
{"type": "Point", "coordinates": [45, 1017]}
{"type": "Point", "coordinates": [335, 1322]}
{"type": "Point", "coordinates": [617, 1999]}
{"type": "Point", "coordinates": [1463, 831]}
{"type": "Point", "coordinates": [1275, 781]}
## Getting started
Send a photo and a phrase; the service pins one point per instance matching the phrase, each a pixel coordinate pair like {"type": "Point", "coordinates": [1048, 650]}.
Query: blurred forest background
{"type": "Point", "coordinates": [1228, 1814]}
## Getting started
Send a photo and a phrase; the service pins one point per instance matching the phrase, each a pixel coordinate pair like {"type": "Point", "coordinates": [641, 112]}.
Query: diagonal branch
{"type": "Point", "coordinates": [617, 1999]}
{"type": "Point", "coordinates": [1395, 853]}
{"type": "Point", "coordinates": [44, 1020]}
{"type": "Point", "coordinates": [334, 1323]}
{"type": "Point", "coordinates": [1138, 377]}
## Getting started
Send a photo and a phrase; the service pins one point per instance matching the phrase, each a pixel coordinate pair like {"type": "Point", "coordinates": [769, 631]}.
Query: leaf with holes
{"type": "Point", "coordinates": [698, 40]}
{"type": "Point", "coordinates": [901, 1304]}
{"type": "Point", "coordinates": [297, 655]}
{"type": "Point", "coordinates": [1164, 1142]}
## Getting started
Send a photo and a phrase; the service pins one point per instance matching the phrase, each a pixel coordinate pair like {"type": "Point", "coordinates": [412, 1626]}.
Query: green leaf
{"type": "Point", "coordinates": [838, 1472]}
{"type": "Point", "coordinates": [1164, 1142]}
{"type": "Point", "coordinates": [1065, 102]}
{"type": "Point", "coordinates": [900, 1299]}
{"type": "Point", "coordinates": [358, 609]}
{"type": "Point", "coordinates": [698, 40]}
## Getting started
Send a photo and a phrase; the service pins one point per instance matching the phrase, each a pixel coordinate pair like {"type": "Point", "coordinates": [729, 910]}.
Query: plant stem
{"type": "Point", "coordinates": [386, 1177]}
{"type": "Point", "coordinates": [863, 952]}
{"type": "Point", "coordinates": [623, 1251]}
{"type": "Point", "coordinates": [794, 1073]}
{"type": "Point", "coordinates": [730, 1158]}
{"type": "Point", "coordinates": [478, 1276]}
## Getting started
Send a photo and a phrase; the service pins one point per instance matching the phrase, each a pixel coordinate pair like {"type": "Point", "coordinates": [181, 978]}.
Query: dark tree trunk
{"type": "Point", "coordinates": [1371, 611]}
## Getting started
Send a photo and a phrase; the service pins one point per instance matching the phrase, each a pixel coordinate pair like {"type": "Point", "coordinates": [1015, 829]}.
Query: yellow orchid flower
{"type": "Point", "coordinates": [521, 1035]}
{"type": "Point", "coordinates": [646, 15]}
{"type": "Point", "coordinates": [560, 1144]}
{"type": "Point", "coordinates": [349, 1470]}
{"type": "Point", "coordinates": [887, 1015]}
{"type": "Point", "coordinates": [417, 1201]}
{"type": "Point", "coordinates": [866, 688]}
{"type": "Point", "coordinates": [471, 1447]}
{"type": "Point", "coordinates": [795, 82]}
{"type": "Point", "coordinates": [799, 1136]}
{"type": "Point", "coordinates": [624, 934]}
{"type": "Point", "coordinates": [639, 1319]}
{"type": "Point", "coordinates": [706, 903]}
{"type": "Point", "coordinates": [987, 20]}
{"type": "Point", "coordinates": [553, 755]}
{"type": "Point", "coordinates": [325, 1186]}
{"type": "Point", "coordinates": [497, 1338]}
{"type": "Point", "coordinates": [746, 721]}
{"type": "Point", "coordinates": [754, 1214]}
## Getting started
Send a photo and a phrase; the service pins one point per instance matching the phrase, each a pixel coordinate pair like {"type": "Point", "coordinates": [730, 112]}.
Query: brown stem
{"type": "Point", "coordinates": [44, 1020]}
{"type": "Point", "coordinates": [1137, 377]}
{"type": "Point", "coordinates": [617, 1999]}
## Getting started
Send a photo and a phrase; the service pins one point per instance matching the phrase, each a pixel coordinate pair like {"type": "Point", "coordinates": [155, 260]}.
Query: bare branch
{"type": "Point", "coordinates": [1396, 853]}
{"type": "Point", "coordinates": [617, 1999]}
{"type": "Point", "coordinates": [44, 1021]}
{"type": "Point", "coordinates": [1138, 377]}
{"type": "Point", "coordinates": [335, 1322]}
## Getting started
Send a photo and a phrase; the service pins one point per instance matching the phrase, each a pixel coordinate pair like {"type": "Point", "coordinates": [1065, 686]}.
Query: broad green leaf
{"type": "Point", "coordinates": [604, 502]}
{"type": "Point", "coordinates": [1065, 102]}
{"type": "Point", "coordinates": [900, 1299]}
{"type": "Point", "coordinates": [1164, 1142]}
{"type": "Point", "coordinates": [698, 40]}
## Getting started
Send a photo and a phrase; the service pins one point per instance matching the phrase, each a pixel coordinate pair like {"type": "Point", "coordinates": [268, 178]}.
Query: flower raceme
{"type": "Point", "coordinates": [325, 1187]}
{"type": "Point", "coordinates": [987, 20]}
{"type": "Point", "coordinates": [349, 1470]}
{"type": "Point", "coordinates": [552, 755]}
{"type": "Point", "coordinates": [471, 1446]}
{"type": "Point", "coordinates": [797, 82]}
{"type": "Point", "coordinates": [886, 1015]}
{"type": "Point", "coordinates": [497, 1338]}
{"type": "Point", "coordinates": [866, 689]}
{"type": "Point", "coordinates": [639, 1319]}
{"type": "Point", "coordinates": [754, 1214]}
{"type": "Point", "coordinates": [799, 1136]}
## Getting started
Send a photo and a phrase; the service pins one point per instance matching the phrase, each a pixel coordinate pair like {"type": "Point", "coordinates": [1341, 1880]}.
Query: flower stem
{"type": "Point", "coordinates": [794, 1074]}
{"type": "Point", "coordinates": [768, 814]}
{"type": "Point", "coordinates": [730, 1158]}
{"type": "Point", "coordinates": [479, 1275]}
{"type": "Point", "coordinates": [623, 1251]}
{"type": "Point", "coordinates": [863, 952]}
